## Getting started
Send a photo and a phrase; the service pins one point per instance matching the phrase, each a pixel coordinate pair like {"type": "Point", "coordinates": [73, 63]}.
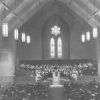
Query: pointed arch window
{"type": "Point", "coordinates": [59, 47]}
{"type": "Point", "coordinates": [55, 42]}
{"type": "Point", "coordinates": [52, 48]}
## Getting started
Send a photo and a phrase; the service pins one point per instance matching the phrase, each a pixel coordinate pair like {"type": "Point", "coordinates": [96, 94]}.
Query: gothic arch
{"type": "Point", "coordinates": [51, 21]}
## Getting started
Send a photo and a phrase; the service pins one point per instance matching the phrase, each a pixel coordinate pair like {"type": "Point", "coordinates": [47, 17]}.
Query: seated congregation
{"type": "Point", "coordinates": [72, 91]}
{"type": "Point", "coordinates": [46, 74]}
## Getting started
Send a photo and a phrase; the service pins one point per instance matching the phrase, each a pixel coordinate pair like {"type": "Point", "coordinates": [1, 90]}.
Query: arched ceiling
{"type": "Point", "coordinates": [17, 12]}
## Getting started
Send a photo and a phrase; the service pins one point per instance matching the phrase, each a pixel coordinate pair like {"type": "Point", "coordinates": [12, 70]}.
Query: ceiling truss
{"type": "Point", "coordinates": [15, 11]}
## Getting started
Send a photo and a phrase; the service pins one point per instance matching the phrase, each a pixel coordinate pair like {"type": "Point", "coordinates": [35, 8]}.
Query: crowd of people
{"type": "Point", "coordinates": [45, 70]}
{"type": "Point", "coordinates": [25, 92]}
{"type": "Point", "coordinates": [86, 91]}
{"type": "Point", "coordinates": [39, 91]}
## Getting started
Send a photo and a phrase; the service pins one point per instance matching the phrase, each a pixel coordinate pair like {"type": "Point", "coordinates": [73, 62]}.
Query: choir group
{"type": "Point", "coordinates": [66, 71]}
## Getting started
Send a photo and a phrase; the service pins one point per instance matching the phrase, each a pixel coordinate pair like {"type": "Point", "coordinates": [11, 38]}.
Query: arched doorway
{"type": "Point", "coordinates": [56, 39]}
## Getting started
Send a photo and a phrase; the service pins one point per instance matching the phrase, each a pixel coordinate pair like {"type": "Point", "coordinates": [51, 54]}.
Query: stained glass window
{"type": "Point", "coordinates": [52, 48]}
{"type": "Point", "coordinates": [55, 42]}
{"type": "Point", "coordinates": [59, 46]}
{"type": "Point", "coordinates": [55, 30]}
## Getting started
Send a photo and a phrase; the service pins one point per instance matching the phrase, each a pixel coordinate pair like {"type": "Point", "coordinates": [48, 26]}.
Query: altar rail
{"type": "Point", "coordinates": [59, 62]}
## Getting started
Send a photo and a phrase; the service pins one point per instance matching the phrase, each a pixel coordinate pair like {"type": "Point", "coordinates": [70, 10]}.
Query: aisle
{"type": "Point", "coordinates": [56, 93]}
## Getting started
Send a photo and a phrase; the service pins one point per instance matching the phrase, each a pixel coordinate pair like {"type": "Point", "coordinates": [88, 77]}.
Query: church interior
{"type": "Point", "coordinates": [49, 50]}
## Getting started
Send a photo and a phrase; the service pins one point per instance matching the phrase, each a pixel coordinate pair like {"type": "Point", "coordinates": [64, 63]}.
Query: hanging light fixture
{"type": "Point", "coordinates": [95, 32]}
{"type": "Point", "coordinates": [95, 29]}
{"type": "Point", "coordinates": [88, 33]}
{"type": "Point", "coordinates": [16, 34]}
{"type": "Point", "coordinates": [5, 26]}
{"type": "Point", "coordinates": [83, 38]}
{"type": "Point", "coordinates": [23, 37]}
{"type": "Point", "coordinates": [5, 29]}
{"type": "Point", "coordinates": [88, 36]}
{"type": "Point", "coordinates": [28, 40]}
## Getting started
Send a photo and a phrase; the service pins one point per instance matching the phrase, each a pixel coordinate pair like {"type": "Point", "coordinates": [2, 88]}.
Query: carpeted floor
{"type": "Point", "coordinates": [56, 93]}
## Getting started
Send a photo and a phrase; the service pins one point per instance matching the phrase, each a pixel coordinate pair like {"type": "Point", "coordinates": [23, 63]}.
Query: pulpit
{"type": "Point", "coordinates": [56, 80]}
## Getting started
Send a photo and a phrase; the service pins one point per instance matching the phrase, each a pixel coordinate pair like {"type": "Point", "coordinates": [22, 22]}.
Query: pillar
{"type": "Point", "coordinates": [7, 59]}
{"type": "Point", "coordinates": [98, 51]}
